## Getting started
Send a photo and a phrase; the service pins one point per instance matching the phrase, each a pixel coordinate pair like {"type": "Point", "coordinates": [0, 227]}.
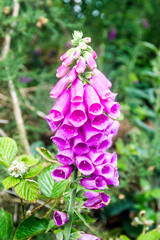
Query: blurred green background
{"type": "Point", "coordinates": [126, 36]}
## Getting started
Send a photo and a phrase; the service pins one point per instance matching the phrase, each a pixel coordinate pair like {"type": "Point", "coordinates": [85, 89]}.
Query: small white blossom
{"type": "Point", "coordinates": [17, 169]}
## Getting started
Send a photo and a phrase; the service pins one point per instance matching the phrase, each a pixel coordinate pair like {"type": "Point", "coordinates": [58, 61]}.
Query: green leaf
{"type": "Point", "coordinates": [29, 160]}
{"type": "Point", "coordinates": [32, 172]}
{"type": "Point", "coordinates": [6, 226]}
{"type": "Point", "coordinates": [10, 182]}
{"type": "Point", "coordinates": [48, 186]}
{"type": "Point", "coordinates": [28, 190]}
{"type": "Point", "coordinates": [59, 236]}
{"type": "Point", "coordinates": [75, 236]}
{"type": "Point", "coordinates": [51, 225]}
{"type": "Point", "coordinates": [81, 218]}
{"type": "Point", "coordinates": [8, 150]}
{"type": "Point", "coordinates": [45, 154]}
{"type": "Point", "coordinates": [30, 227]}
{"type": "Point", "coordinates": [123, 237]}
{"type": "Point", "coordinates": [152, 235]}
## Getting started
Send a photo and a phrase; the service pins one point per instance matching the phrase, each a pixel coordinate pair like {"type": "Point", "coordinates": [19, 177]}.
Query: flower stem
{"type": "Point", "coordinates": [68, 225]}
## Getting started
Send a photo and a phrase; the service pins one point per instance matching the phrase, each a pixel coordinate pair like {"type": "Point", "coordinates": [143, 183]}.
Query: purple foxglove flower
{"type": "Point", "coordinates": [61, 106]}
{"type": "Point", "coordinates": [108, 128]}
{"type": "Point", "coordinates": [94, 55]}
{"type": "Point", "coordinates": [106, 170]}
{"type": "Point", "coordinates": [100, 121]}
{"type": "Point", "coordinates": [92, 100]}
{"type": "Point", "coordinates": [96, 157]}
{"type": "Point", "coordinates": [94, 182]}
{"type": "Point", "coordinates": [105, 143]}
{"type": "Point", "coordinates": [64, 56]}
{"type": "Point", "coordinates": [53, 124]}
{"type": "Point", "coordinates": [88, 237]}
{"type": "Point", "coordinates": [112, 34]}
{"type": "Point", "coordinates": [62, 173]}
{"type": "Point", "coordinates": [111, 158]}
{"type": "Point", "coordinates": [61, 71]}
{"type": "Point", "coordinates": [79, 146]}
{"type": "Point", "coordinates": [72, 75]}
{"type": "Point", "coordinates": [87, 39]}
{"type": "Point", "coordinates": [90, 61]}
{"type": "Point", "coordinates": [84, 165]}
{"type": "Point", "coordinates": [77, 114]}
{"type": "Point", "coordinates": [81, 66]}
{"type": "Point", "coordinates": [113, 180]}
{"type": "Point", "coordinates": [91, 135]}
{"type": "Point", "coordinates": [77, 53]}
{"type": "Point", "coordinates": [145, 23]}
{"type": "Point", "coordinates": [77, 91]}
{"type": "Point", "coordinates": [60, 218]}
{"type": "Point", "coordinates": [67, 61]}
{"type": "Point", "coordinates": [96, 200]}
{"type": "Point", "coordinates": [61, 141]}
{"type": "Point", "coordinates": [102, 78]}
{"type": "Point", "coordinates": [114, 128]}
{"type": "Point", "coordinates": [59, 88]}
{"type": "Point", "coordinates": [65, 157]}
{"type": "Point", "coordinates": [67, 129]}
{"type": "Point", "coordinates": [111, 108]}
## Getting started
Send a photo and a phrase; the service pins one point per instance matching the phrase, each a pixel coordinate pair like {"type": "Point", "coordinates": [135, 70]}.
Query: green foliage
{"type": "Point", "coordinates": [10, 182]}
{"type": "Point", "coordinates": [45, 153]}
{"type": "Point", "coordinates": [29, 160]}
{"type": "Point", "coordinates": [28, 190]}
{"type": "Point", "coordinates": [30, 227]}
{"type": "Point", "coordinates": [34, 171]}
{"type": "Point", "coordinates": [8, 150]}
{"type": "Point", "coordinates": [6, 226]}
{"type": "Point", "coordinates": [48, 186]}
{"type": "Point", "coordinates": [152, 235]}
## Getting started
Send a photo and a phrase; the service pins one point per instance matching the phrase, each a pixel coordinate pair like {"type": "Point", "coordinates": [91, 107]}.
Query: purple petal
{"type": "Point", "coordinates": [100, 121]}
{"type": "Point", "coordinates": [67, 129]}
{"type": "Point", "coordinates": [61, 173]}
{"type": "Point", "coordinates": [79, 146]}
{"type": "Point", "coordinates": [78, 114]}
{"type": "Point", "coordinates": [59, 88]}
{"type": "Point", "coordinates": [60, 218]}
{"type": "Point", "coordinates": [77, 91]}
{"type": "Point", "coordinates": [96, 157]}
{"type": "Point", "coordinates": [61, 71]}
{"type": "Point", "coordinates": [106, 170]}
{"type": "Point", "coordinates": [88, 237]}
{"type": "Point", "coordinates": [84, 165]}
{"type": "Point", "coordinates": [61, 141]}
{"type": "Point", "coordinates": [65, 157]}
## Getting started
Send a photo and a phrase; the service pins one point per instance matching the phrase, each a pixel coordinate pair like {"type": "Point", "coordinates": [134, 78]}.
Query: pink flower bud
{"type": "Point", "coordinates": [59, 88]}
{"type": "Point", "coordinates": [61, 71]}
{"type": "Point", "coordinates": [68, 61]}
{"type": "Point", "coordinates": [87, 39]}
{"type": "Point", "coordinates": [72, 75]}
{"type": "Point", "coordinates": [81, 66]}
{"type": "Point", "coordinates": [94, 55]}
{"type": "Point", "coordinates": [90, 61]}
{"type": "Point", "coordinates": [77, 53]}
{"type": "Point", "coordinates": [88, 237]}
{"type": "Point", "coordinates": [60, 218]}
{"type": "Point", "coordinates": [64, 56]}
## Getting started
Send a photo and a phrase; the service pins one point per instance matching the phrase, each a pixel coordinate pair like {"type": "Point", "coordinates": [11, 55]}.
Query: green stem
{"type": "Point", "coordinates": [68, 225]}
{"type": "Point", "coordinates": [51, 209]}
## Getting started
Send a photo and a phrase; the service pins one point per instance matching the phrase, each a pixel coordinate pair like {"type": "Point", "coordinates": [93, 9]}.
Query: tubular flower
{"type": "Point", "coordinates": [60, 218]}
{"type": "Point", "coordinates": [88, 237]}
{"type": "Point", "coordinates": [83, 122]}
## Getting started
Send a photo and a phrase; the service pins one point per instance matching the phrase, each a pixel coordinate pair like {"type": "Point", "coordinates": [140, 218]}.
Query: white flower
{"type": "Point", "coordinates": [17, 169]}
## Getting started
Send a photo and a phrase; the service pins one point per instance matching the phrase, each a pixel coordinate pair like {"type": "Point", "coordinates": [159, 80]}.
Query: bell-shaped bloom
{"type": "Point", "coordinates": [101, 89]}
{"type": "Point", "coordinates": [95, 156]}
{"type": "Point", "coordinates": [92, 100]}
{"type": "Point", "coordinates": [94, 55]}
{"type": "Point", "coordinates": [59, 88]}
{"type": "Point", "coordinates": [61, 173]}
{"type": "Point", "coordinates": [67, 129]}
{"type": "Point", "coordinates": [87, 39]}
{"type": "Point", "coordinates": [77, 53]}
{"type": "Point", "coordinates": [67, 61]}
{"type": "Point", "coordinates": [64, 56]}
{"type": "Point", "coordinates": [106, 170]}
{"type": "Point", "coordinates": [78, 114]}
{"type": "Point", "coordinates": [88, 237]}
{"type": "Point", "coordinates": [113, 180]}
{"type": "Point", "coordinates": [105, 143]}
{"type": "Point", "coordinates": [111, 108]}
{"type": "Point", "coordinates": [91, 135]}
{"type": "Point", "coordinates": [84, 165]}
{"type": "Point", "coordinates": [61, 141]}
{"type": "Point", "coordinates": [61, 106]}
{"type": "Point", "coordinates": [102, 78]}
{"type": "Point", "coordinates": [79, 146]}
{"type": "Point", "coordinates": [111, 158]}
{"type": "Point", "coordinates": [53, 124]}
{"type": "Point", "coordinates": [81, 66]}
{"type": "Point", "coordinates": [72, 75]}
{"type": "Point", "coordinates": [113, 129]}
{"type": "Point", "coordinates": [61, 71]}
{"type": "Point", "coordinates": [60, 218]}
{"type": "Point", "coordinates": [96, 200]}
{"type": "Point", "coordinates": [90, 61]}
{"type": "Point", "coordinates": [77, 91]}
{"type": "Point", "coordinates": [100, 121]}
{"type": "Point", "coordinates": [94, 182]}
{"type": "Point", "coordinates": [66, 157]}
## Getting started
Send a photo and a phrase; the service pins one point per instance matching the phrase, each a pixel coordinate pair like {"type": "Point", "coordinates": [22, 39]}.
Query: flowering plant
{"type": "Point", "coordinates": [83, 122]}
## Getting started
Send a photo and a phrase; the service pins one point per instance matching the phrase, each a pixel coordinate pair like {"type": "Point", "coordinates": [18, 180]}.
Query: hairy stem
{"type": "Point", "coordinates": [68, 225]}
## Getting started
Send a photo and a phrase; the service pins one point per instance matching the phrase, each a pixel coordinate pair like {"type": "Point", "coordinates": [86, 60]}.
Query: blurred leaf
{"type": "Point", "coordinates": [33, 171]}
{"type": "Point", "coordinates": [81, 218]}
{"type": "Point", "coordinates": [75, 236]}
{"type": "Point", "coordinates": [152, 235]}
{"type": "Point", "coordinates": [8, 150]}
{"type": "Point", "coordinates": [29, 160]}
{"type": "Point", "coordinates": [10, 182]}
{"type": "Point", "coordinates": [28, 190]}
{"type": "Point", "coordinates": [51, 225]}
{"type": "Point", "coordinates": [6, 226]}
{"type": "Point", "coordinates": [30, 227]}
{"type": "Point", "coordinates": [123, 237]}
{"type": "Point", "coordinates": [34, 145]}
{"type": "Point", "coordinates": [150, 46]}
{"type": "Point", "coordinates": [48, 186]}
{"type": "Point", "coordinates": [45, 154]}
